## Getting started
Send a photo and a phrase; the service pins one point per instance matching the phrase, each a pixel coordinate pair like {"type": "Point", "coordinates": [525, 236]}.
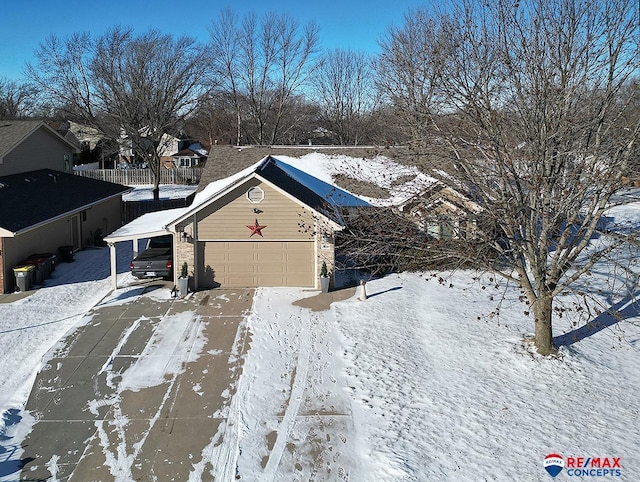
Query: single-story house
{"type": "Point", "coordinates": [185, 158]}
{"type": "Point", "coordinates": [268, 225]}
{"type": "Point", "coordinates": [28, 145]}
{"type": "Point", "coordinates": [443, 212]}
{"type": "Point", "coordinates": [45, 209]}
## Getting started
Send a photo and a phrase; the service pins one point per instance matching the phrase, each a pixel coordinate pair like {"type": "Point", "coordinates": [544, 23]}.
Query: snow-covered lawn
{"type": "Point", "coordinates": [444, 395]}
{"type": "Point", "coordinates": [436, 390]}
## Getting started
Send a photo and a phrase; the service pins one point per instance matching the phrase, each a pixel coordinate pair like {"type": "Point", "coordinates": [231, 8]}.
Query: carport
{"type": "Point", "coordinates": [146, 226]}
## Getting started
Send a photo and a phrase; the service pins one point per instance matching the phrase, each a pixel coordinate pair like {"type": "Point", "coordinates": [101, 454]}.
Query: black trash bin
{"type": "Point", "coordinates": [24, 276]}
{"type": "Point", "coordinates": [50, 260]}
{"type": "Point", "coordinates": [38, 269]}
{"type": "Point", "coordinates": [66, 254]}
{"type": "Point", "coordinates": [43, 267]}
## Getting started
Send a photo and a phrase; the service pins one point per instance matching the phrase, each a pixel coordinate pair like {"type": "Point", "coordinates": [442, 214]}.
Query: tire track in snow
{"type": "Point", "coordinates": [223, 450]}
{"type": "Point", "coordinates": [299, 384]}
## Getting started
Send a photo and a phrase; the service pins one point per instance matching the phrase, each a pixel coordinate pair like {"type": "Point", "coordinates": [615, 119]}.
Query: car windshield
{"type": "Point", "coordinates": [161, 242]}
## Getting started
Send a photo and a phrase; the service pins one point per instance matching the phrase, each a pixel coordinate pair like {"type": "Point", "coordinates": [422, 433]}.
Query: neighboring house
{"type": "Point", "coordinates": [186, 158]}
{"type": "Point", "coordinates": [30, 145]}
{"type": "Point", "coordinates": [94, 147]}
{"type": "Point", "coordinates": [268, 225]}
{"type": "Point", "coordinates": [173, 152]}
{"type": "Point", "coordinates": [64, 129]}
{"type": "Point", "coordinates": [169, 145]}
{"type": "Point", "coordinates": [88, 137]}
{"type": "Point", "coordinates": [443, 212]}
{"type": "Point", "coordinates": [45, 209]}
{"type": "Point", "coordinates": [181, 152]}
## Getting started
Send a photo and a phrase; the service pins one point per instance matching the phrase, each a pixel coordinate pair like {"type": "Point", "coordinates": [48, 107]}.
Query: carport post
{"type": "Point", "coordinates": [114, 272]}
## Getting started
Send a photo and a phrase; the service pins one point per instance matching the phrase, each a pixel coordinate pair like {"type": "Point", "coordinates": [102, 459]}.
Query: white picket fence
{"type": "Point", "coordinates": [139, 177]}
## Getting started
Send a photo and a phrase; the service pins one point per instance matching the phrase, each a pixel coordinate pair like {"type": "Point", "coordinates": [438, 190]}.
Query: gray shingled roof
{"type": "Point", "coordinates": [224, 161]}
{"type": "Point", "coordinates": [315, 193]}
{"type": "Point", "coordinates": [33, 197]}
{"type": "Point", "coordinates": [14, 131]}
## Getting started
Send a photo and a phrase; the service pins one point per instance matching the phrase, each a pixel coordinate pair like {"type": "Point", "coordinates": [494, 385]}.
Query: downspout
{"type": "Point", "coordinates": [316, 276]}
{"type": "Point", "coordinates": [3, 285]}
{"type": "Point", "coordinates": [196, 265]}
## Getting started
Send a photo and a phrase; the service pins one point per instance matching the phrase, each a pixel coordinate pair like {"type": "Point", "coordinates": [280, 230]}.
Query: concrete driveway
{"type": "Point", "coordinates": [140, 391]}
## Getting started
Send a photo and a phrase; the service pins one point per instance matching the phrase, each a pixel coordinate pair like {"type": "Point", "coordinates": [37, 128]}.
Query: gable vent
{"type": "Point", "coordinates": [255, 194]}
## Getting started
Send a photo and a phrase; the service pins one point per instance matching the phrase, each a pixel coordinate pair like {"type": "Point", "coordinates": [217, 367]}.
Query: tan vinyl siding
{"type": "Point", "coordinates": [49, 237]}
{"type": "Point", "coordinates": [228, 217]}
{"type": "Point", "coordinates": [257, 263]}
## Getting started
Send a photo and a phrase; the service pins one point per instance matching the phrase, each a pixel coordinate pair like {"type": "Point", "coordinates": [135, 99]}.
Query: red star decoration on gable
{"type": "Point", "coordinates": [256, 228]}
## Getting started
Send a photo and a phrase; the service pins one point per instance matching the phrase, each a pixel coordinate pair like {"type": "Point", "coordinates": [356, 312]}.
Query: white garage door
{"type": "Point", "coordinates": [257, 263]}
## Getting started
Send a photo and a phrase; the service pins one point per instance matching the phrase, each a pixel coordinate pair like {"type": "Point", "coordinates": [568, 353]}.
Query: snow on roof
{"type": "Point", "coordinates": [147, 225]}
{"type": "Point", "coordinates": [197, 147]}
{"type": "Point", "coordinates": [314, 176]}
{"type": "Point", "coordinates": [327, 190]}
{"type": "Point", "coordinates": [379, 170]}
{"type": "Point", "coordinates": [214, 188]}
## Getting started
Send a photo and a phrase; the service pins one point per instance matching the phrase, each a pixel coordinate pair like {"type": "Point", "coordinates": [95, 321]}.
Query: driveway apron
{"type": "Point", "coordinates": [139, 391]}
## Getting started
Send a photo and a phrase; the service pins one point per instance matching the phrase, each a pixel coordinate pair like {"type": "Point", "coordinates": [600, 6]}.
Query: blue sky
{"type": "Point", "coordinates": [348, 24]}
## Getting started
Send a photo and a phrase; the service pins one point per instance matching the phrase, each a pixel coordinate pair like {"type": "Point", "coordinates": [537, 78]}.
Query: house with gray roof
{"type": "Point", "coordinates": [27, 145]}
{"type": "Point", "coordinates": [44, 207]}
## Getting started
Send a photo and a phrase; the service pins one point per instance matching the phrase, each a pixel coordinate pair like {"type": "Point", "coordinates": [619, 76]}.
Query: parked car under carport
{"type": "Point", "coordinates": [156, 260]}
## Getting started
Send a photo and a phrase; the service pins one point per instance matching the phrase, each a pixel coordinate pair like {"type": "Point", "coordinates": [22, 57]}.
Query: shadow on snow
{"type": "Point", "coordinates": [8, 464]}
{"type": "Point", "coordinates": [628, 307]}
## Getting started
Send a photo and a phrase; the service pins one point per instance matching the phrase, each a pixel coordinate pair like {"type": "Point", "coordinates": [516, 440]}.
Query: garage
{"type": "Point", "coordinates": [258, 263]}
{"type": "Point", "coordinates": [269, 225]}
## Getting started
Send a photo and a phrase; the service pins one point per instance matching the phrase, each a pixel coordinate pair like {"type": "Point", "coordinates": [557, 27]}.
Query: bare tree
{"type": "Point", "coordinates": [409, 70]}
{"type": "Point", "coordinates": [262, 62]}
{"type": "Point", "coordinates": [344, 87]}
{"type": "Point", "coordinates": [138, 86]}
{"type": "Point", "coordinates": [17, 99]}
{"type": "Point", "coordinates": [214, 121]}
{"type": "Point", "coordinates": [532, 102]}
